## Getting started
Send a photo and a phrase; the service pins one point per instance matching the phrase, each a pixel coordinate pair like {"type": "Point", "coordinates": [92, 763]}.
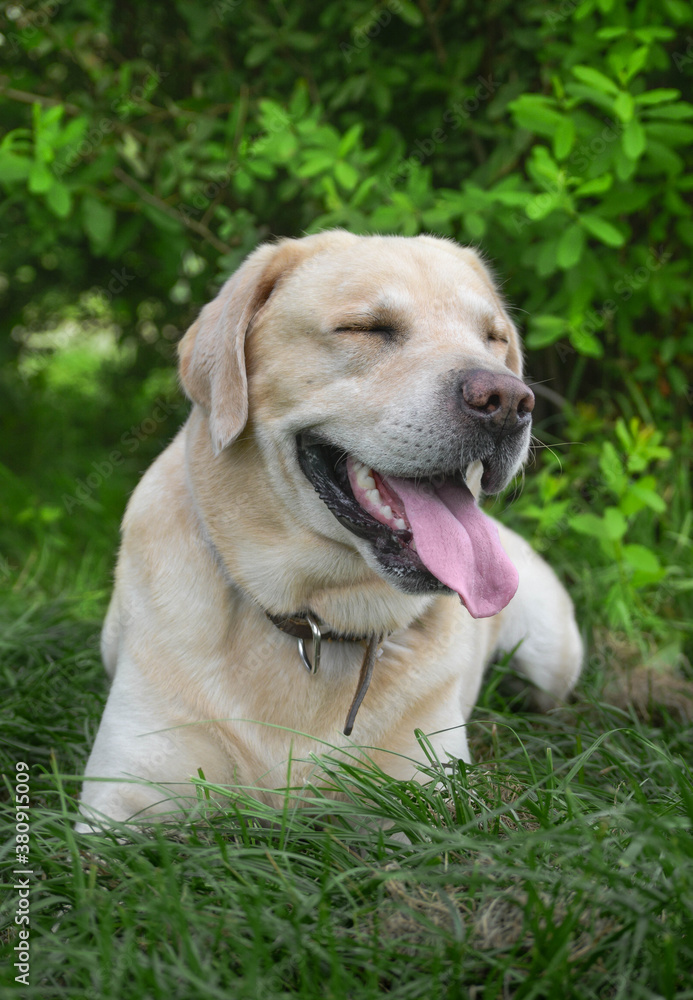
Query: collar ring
{"type": "Point", "coordinates": [313, 667]}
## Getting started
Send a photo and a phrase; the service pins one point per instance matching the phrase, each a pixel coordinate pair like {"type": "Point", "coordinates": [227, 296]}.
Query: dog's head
{"type": "Point", "coordinates": [373, 373]}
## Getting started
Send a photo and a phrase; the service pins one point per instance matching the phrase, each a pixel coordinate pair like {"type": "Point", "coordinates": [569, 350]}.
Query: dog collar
{"type": "Point", "coordinates": [305, 626]}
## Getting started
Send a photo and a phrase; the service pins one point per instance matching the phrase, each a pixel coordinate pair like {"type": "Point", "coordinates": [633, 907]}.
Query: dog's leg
{"type": "Point", "coordinates": [142, 761]}
{"type": "Point", "coordinates": [541, 619]}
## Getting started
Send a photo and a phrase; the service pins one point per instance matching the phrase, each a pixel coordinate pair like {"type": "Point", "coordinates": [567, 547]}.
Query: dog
{"type": "Point", "coordinates": [306, 566]}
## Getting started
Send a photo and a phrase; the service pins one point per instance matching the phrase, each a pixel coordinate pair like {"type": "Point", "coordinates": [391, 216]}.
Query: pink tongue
{"type": "Point", "coordinates": [459, 544]}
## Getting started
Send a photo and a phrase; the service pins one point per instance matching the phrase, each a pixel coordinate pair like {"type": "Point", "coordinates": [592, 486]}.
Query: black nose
{"type": "Point", "coordinates": [504, 403]}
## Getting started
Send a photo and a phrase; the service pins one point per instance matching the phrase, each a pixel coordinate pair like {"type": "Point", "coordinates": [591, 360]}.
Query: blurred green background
{"type": "Point", "coordinates": [147, 148]}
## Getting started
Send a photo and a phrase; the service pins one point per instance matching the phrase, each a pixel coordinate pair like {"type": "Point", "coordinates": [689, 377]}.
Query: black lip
{"type": "Point", "coordinates": [324, 465]}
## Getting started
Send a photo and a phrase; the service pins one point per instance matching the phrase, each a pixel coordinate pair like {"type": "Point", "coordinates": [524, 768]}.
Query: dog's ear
{"type": "Point", "coordinates": [212, 352]}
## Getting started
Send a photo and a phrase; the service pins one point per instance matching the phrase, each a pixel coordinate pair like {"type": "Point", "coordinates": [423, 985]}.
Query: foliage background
{"type": "Point", "coordinates": [147, 149]}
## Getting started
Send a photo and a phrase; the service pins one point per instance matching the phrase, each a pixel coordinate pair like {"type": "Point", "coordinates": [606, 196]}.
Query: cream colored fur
{"type": "Point", "coordinates": [224, 526]}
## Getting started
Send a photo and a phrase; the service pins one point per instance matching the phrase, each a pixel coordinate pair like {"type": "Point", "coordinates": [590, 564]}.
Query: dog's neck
{"type": "Point", "coordinates": [299, 626]}
{"type": "Point", "coordinates": [279, 563]}
{"type": "Point", "coordinates": [305, 627]}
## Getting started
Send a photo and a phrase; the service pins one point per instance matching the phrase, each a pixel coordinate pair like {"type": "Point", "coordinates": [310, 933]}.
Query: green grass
{"type": "Point", "coordinates": [560, 864]}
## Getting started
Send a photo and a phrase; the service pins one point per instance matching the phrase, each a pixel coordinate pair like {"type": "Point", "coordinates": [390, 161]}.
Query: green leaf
{"type": "Point", "coordinates": [563, 138]}
{"type": "Point", "coordinates": [607, 34]}
{"type": "Point", "coordinates": [588, 524]}
{"type": "Point", "coordinates": [672, 135]}
{"type": "Point", "coordinates": [581, 92]}
{"type": "Point", "coordinates": [541, 205]}
{"type": "Point", "coordinates": [98, 220]}
{"type": "Point", "coordinates": [537, 114]}
{"type": "Point", "coordinates": [474, 224]}
{"type": "Point", "coordinates": [615, 479]}
{"type": "Point", "coordinates": [656, 33]}
{"type": "Point", "coordinates": [273, 117]}
{"type": "Point", "coordinates": [544, 330]}
{"type": "Point", "coordinates": [409, 13]}
{"type": "Point", "coordinates": [349, 139]}
{"type": "Point", "coordinates": [59, 200]}
{"type": "Point", "coordinates": [364, 189]}
{"type": "Point", "coordinates": [570, 246]}
{"type": "Point", "coordinates": [640, 558]}
{"type": "Point", "coordinates": [593, 78]}
{"type": "Point", "coordinates": [598, 186]}
{"type": "Point", "coordinates": [658, 96]}
{"type": "Point", "coordinates": [542, 166]}
{"type": "Point", "coordinates": [603, 230]}
{"type": "Point", "coordinates": [678, 10]}
{"type": "Point", "coordinates": [13, 168]}
{"type": "Point", "coordinates": [279, 147]}
{"type": "Point", "coordinates": [586, 343]}
{"type": "Point", "coordinates": [40, 178]}
{"type": "Point", "coordinates": [16, 140]}
{"type": "Point", "coordinates": [633, 139]}
{"type": "Point", "coordinates": [666, 160]}
{"type": "Point", "coordinates": [624, 106]}
{"type": "Point", "coordinates": [636, 62]}
{"type": "Point", "coordinates": [315, 163]}
{"type": "Point", "coordinates": [260, 167]}
{"type": "Point", "coordinates": [346, 175]}
{"type": "Point", "coordinates": [72, 134]}
{"type": "Point", "coordinates": [682, 109]}
{"type": "Point", "coordinates": [614, 523]}
{"type": "Point", "coordinates": [649, 497]}
{"type": "Point", "coordinates": [259, 52]}
{"type": "Point", "coordinates": [302, 41]}
{"type": "Point", "coordinates": [546, 262]}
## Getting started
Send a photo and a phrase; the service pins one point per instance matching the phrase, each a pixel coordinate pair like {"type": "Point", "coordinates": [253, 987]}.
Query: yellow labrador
{"type": "Point", "coordinates": [351, 396]}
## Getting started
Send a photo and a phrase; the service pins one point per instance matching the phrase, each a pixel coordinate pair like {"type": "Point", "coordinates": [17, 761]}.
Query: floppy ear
{"type": "Point", "coordinates": [212, 352]}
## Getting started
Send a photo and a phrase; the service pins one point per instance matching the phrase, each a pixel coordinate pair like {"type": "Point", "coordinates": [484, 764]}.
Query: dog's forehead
{"type": "Point", "coordinates": [394, 274]}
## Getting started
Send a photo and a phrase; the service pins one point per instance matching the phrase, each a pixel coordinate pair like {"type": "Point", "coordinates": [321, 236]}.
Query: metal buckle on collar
{"type": "Point", "coordinates": [313, 667]}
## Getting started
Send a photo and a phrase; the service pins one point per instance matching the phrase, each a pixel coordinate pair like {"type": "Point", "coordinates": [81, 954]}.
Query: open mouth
{"type": "Point", "coordinates": [426, 533]}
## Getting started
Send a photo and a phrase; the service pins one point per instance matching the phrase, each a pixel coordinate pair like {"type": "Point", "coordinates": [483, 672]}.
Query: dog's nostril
{"type": "Point", "coordinates": [526, 404]}
{"type": "Point", "coordinates": [493, 404]}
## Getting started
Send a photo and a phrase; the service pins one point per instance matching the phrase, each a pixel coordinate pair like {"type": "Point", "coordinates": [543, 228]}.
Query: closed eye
{"type": "Point", "coordinates": [497, 338]}
{"type": "Point", "coordinates": [382, 329]}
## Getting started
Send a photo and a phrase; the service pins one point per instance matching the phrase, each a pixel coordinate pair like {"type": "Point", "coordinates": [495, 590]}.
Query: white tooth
{"type": "Point", "coordinates": [399, 523]}
{"type": "Point", "coordinates": [365, 481]}
{"type": "Point", "coordinates": [374, 497]}
{"type": "Point", "coordinates": [386, 512]}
